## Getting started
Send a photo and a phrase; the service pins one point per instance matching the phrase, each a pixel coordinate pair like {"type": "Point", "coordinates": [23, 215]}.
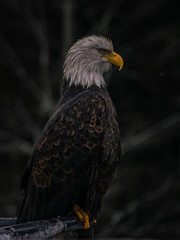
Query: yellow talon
{"type": "Point", "coordinates": [86, 221]}
{"type": "Point", "coordinates": [93, 221]}
{"type": "Point", "coordinates": [82, 215]}
{"type": "Point", "coordinates": [76, 209]}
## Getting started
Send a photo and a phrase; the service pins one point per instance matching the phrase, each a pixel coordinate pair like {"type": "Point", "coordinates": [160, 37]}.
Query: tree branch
{"type": "Point", "coordinates": [17, 65]}
{"type": "Point", "coordinates": [141, 138]}
{"type": "Point", "coordinates": [104, 22]}
{"type": "Point", "coordinates": [42, 229]}
{"type": "Point", "coordinates": [40, 33]}
{"type": "Point", "coordinates": [122, 217]}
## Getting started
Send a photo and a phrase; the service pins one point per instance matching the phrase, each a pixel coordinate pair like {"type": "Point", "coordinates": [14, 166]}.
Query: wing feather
{"type": "Point", "coordinates": [69, 145]}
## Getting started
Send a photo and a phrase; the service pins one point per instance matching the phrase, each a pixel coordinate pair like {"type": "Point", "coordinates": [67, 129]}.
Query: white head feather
{"type": "Point", "coordinates": [84, 65]}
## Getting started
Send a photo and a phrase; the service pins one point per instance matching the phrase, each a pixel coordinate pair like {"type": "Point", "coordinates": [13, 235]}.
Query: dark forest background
{"type": "Point", "coordinates": [144, 199]}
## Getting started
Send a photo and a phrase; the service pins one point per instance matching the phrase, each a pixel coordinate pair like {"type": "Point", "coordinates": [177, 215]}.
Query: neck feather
{"type": "Point", "coordinates": [83, 77]}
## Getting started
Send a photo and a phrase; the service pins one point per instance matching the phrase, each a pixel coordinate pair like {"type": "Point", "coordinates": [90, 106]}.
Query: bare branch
{"type": "Point", "coordinates": [103, 24]}
{"type": "Point", "coordinates": [67, 25]}
{"type": "Point", "coordinates": [118, 217]}
{"type": "Point", "coordinates": [149, 133]}
{"type": "Point", "coordinates": [43, 229]}
{"type": "Point", "coordinates": [24, 117]}
{"type": "Point", "coordinates": [17, 145]}
{"type": "Point", "coordinates": [40, 32]}
{"type": "Point", "coordinates": [17, 65]}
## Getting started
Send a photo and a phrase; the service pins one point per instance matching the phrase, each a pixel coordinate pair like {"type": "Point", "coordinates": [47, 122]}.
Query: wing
{"type": "Point", "coordinates": [68, 147]}
{"type": "Point", "coordinates": [99, 177]}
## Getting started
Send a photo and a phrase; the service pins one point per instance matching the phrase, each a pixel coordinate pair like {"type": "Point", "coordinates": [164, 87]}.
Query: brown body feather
{"type": "Point", "coordinates": [74, 159]}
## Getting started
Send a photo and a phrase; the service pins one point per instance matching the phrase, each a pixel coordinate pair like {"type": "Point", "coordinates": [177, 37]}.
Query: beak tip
{"type": "Point", "coordinates": [121, 66]}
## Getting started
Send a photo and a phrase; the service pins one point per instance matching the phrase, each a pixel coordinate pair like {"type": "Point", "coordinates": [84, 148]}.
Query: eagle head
{"type": "Point", "coordinates": [88, 59]}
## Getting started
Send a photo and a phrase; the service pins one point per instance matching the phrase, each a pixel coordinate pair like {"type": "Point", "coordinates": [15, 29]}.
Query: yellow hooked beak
{"type": "Point", "coordinates": [115, 59]}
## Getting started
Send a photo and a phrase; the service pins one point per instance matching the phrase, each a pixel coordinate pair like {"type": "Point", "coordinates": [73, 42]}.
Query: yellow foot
{"type": "Point", "coordinates": [93, 221]}
{"type": "Point", "coordinates": [82, 215]}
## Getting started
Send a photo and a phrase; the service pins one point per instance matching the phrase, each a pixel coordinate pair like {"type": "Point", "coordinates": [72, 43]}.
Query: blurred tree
{"type": "Point", "coordinates": [35, 34]}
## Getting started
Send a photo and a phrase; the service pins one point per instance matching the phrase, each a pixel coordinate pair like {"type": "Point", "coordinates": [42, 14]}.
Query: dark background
{"type": "Point", "coordinates": [144, 199]}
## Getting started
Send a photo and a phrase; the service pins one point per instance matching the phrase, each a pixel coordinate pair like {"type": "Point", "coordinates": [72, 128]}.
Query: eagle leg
{"type": "Point", "coordinates": [82, 215]}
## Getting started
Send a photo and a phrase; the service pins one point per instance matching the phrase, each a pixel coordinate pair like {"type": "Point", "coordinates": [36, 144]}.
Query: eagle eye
{"type": "Point", "coordinates": [103, 51]}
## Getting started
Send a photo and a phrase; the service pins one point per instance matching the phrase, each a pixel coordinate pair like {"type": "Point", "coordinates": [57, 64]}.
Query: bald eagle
{"type": "Point", "coordinates": [78, 151]}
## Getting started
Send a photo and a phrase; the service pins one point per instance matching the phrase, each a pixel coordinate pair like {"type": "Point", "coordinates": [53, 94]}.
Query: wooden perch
{"type": "Point", "coordinates": [42, 229]}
